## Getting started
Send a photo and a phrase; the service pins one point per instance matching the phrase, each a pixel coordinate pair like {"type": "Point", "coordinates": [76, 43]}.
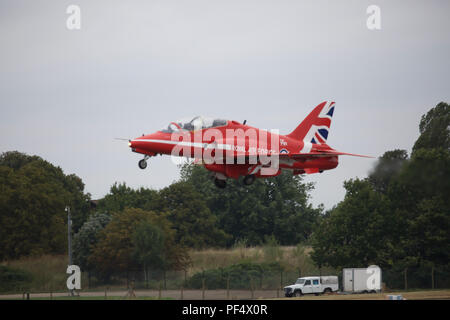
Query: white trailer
{"type": "Point", "coordinates": [361, 280]}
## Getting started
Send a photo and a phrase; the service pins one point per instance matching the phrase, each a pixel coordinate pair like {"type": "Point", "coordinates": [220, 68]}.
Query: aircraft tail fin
{"type": "Point", "coordinates": [315, 127]}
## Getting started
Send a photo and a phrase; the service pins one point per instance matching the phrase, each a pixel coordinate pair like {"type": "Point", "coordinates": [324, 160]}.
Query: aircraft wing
{"type": "Point", "coordinates": [244, 155]}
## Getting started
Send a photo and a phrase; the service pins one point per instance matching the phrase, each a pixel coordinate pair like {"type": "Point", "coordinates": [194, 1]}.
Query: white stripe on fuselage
{"type": "Point", "coordinates": [205, 145]}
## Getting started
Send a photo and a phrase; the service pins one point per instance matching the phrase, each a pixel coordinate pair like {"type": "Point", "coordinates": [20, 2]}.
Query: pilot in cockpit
{"type": "Point", "coordinates": [197, 123]}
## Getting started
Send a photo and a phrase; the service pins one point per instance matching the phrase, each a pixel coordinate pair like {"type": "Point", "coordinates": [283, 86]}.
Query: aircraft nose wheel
{"type": "Point", "coordinates": [248, 180]}
{"type": "Point", "coordinates": [142, 164]}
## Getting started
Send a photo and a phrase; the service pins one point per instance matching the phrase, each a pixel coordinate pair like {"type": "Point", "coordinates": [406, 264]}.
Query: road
{"type": "Point", "coordinates": [243, 295]}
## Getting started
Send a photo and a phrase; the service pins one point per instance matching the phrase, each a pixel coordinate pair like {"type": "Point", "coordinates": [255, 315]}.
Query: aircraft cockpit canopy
{"type": "Point", "coordinates": [197, 123]}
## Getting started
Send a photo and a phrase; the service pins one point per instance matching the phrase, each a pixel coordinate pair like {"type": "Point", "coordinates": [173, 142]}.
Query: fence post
{"type": "Point", "coordinates": [165, 280]}
{"type": "Point", "coordinates": [281, 279]}
{"type": "Point", "coordinates": [203, 289]}
{"type": "Point", "coordinates": [406, 278]}
{"type": "Point", "coordinates": [432, 277]}
{"type": "Point", "coordinates": [228, 287]}
{"type": "Point", "coordinates": [261, 280]}
{"type": "Point", "coordinates": [181, 298]}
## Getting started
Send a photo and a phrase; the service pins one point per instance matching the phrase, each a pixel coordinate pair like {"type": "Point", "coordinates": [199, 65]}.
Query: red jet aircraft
{"type": "Point", "coordinates": [230, 149]}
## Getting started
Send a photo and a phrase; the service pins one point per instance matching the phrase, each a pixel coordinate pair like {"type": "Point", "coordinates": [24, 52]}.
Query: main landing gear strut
{"type": "Point", "coordinates": [221, 183]}
{"type": "Point", "coordinates": [248, 180]}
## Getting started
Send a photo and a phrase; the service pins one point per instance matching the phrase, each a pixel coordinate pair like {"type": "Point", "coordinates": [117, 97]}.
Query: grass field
{"type": "Point", "coordinates": [290, 257]}
{"type": "Point", "coordinates": [49, 271]}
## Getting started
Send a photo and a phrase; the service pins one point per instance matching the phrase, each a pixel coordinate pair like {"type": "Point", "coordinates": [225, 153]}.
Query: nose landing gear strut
{"type": "Point", "coordinates": [143, 163]}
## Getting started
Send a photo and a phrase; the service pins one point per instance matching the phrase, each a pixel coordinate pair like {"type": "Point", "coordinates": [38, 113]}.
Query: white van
{"type": "Point", "coordinates": [316, 285]}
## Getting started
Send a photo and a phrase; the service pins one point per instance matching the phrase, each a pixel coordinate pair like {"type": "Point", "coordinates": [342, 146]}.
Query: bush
{"type": "Point", "coordinates": [14, 279]}
{"type": "Point", "coordinates": [240, 276]}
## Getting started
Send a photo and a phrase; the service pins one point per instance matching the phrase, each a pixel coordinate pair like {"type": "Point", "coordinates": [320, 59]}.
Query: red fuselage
{"type": "Point", "coordinates": [234, 149]}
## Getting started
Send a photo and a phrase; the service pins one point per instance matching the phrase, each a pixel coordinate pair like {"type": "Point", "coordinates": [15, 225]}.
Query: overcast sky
{"type": "Point", "coordinates": [134, 66]}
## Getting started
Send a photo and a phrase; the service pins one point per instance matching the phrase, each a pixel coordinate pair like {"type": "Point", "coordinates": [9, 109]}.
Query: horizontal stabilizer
{"type": "Point", "coordinates": [352, 154]}
{"type": "Point", "coordinates": [322, 154]}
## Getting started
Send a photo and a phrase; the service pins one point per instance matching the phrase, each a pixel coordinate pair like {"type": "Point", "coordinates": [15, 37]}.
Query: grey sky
{"type": "Point", "coordinates": [136, 65]}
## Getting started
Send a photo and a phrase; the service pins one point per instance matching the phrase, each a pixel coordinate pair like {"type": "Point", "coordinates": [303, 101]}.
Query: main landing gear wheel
{"type": "Point", "coordinates": [248, 180]}
{"type": "Point", "coordinates": [220, 183]}
{"type": "Point", "coordinates": [142, 164]}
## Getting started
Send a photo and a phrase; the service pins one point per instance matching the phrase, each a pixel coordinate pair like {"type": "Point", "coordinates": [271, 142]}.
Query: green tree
{"type": "Point", "coordinates": [121, 196]}
{"type": "Point", "coordinates": [195, 225]}
{"type": "Point", "coordinates": [434, 129]}
{"type": "Point", "coordinates": [388, 166]}
{"type": "Point", "coordinates": [149, 250]}
{"type": "Point", "coordinates": [357, 232]}
{"type": "Point", "coordinates": [33, 196]}
{"type": "Point", "coordinates": [420, 194]}
{"type": "Point", "coordinates": [422, 209]}
{"type": "Point", "coordinates": [87, 238]}
{"type": "Point", "coordinates": [16, 160]}
{"type": "Point", "coordinates": [115, 250]}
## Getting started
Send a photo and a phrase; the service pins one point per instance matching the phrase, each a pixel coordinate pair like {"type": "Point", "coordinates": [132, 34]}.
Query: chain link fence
{"type": "Point", "coordinates": [251, 280]}
{"type": "Point", "coordinates": [411, 278]}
